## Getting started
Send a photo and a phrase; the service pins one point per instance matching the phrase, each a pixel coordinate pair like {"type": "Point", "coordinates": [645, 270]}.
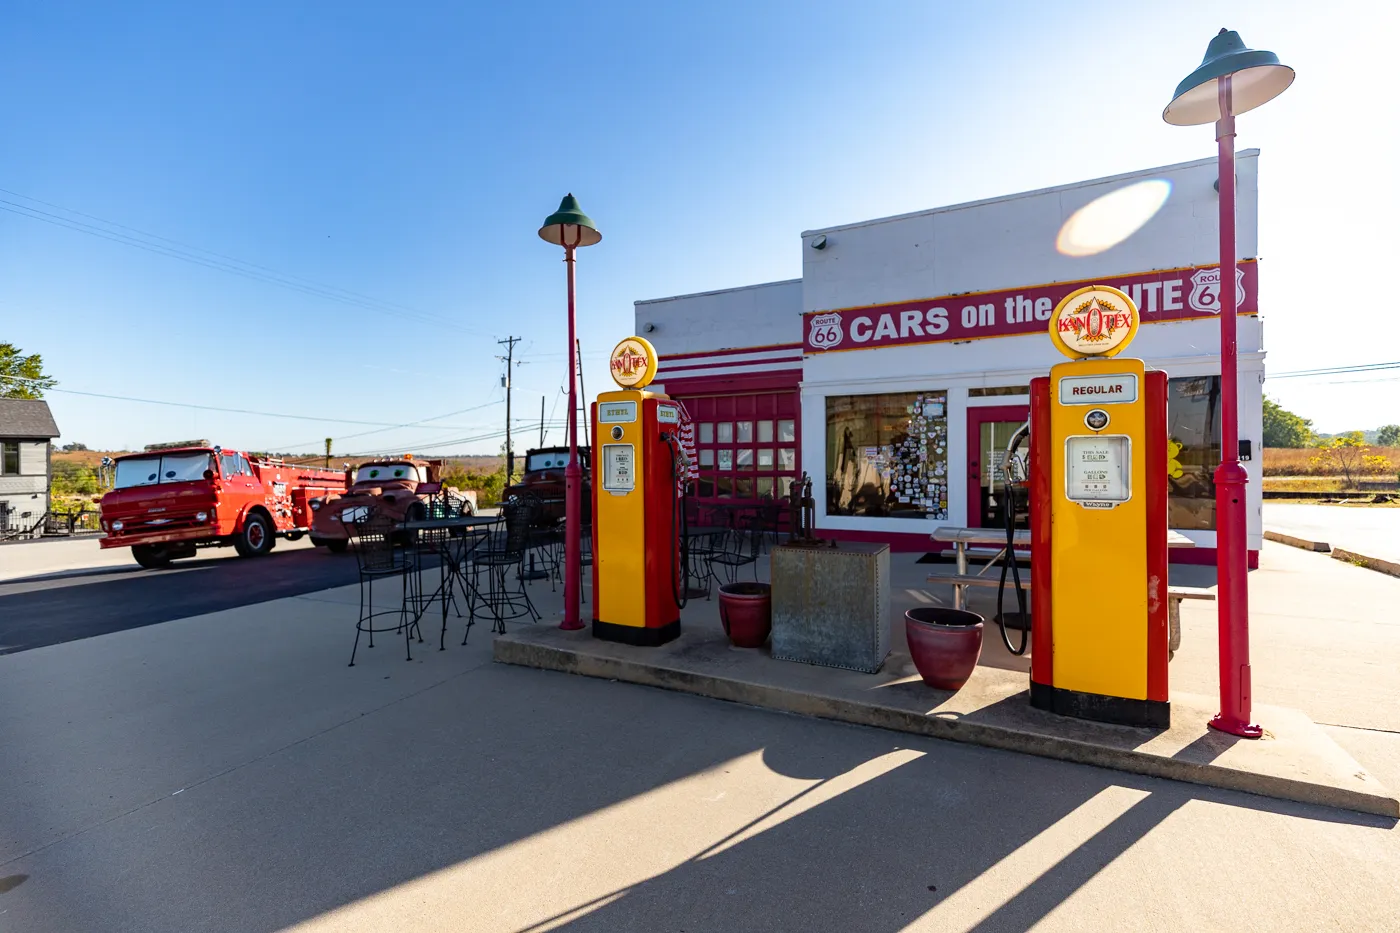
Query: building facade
{"type": "Point", "coordinates": [27, 429]}
{"type": "Point", "coordinates": [894, 371]}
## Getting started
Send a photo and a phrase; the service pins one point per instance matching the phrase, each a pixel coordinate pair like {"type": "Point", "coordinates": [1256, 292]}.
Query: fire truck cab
{"type": "Point", "coordinates": [170, 500]}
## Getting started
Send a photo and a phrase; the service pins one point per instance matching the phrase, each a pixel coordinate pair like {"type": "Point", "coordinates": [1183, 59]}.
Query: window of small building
{"type": "Point", "coordinates": [1193, 439]}
{"type": "Point", "coordinates": [9, 458]}
{"type": "Point", "coordinates": [887, 455]}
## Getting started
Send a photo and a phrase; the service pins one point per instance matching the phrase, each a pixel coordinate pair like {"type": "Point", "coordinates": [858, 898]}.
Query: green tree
{"type": "Point", "coordinates": [1388, 435]}
{"type": "Point", "coordinates": [1282, 428]}
{"type": "Point", "coordinates": [22, 376]}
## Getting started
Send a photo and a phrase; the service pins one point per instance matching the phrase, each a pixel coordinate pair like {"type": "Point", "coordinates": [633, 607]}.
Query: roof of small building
{"type": "Point", "coordinates": [27, 418]}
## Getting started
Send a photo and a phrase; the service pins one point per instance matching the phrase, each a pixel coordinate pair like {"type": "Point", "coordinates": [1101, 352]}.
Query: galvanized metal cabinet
{"type": "Point", "coordinates": [831, 606]}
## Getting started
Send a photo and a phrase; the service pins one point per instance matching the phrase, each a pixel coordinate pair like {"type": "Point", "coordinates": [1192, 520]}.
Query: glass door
{"type": "Point", "coordinates": [988, 432]}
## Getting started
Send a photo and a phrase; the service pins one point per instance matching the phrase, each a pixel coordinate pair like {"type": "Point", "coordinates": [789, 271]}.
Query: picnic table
{"type": "Point", "coordinates": [961, 537]}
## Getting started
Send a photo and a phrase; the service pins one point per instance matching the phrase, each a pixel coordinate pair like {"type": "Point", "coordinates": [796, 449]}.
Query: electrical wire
{"type": "Point", "coordinates": [232, 411]}
{"type": "Point", "coordinates": [224, 263]}
{"type": "Point", "coordinates": [1334, 370]}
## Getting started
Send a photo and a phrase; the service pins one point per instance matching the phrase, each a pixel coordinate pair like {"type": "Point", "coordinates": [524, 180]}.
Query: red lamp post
{"type": "Point", "coordinates": [1232, 79]}
{"type": "Point", "coordinates": [571, 228]}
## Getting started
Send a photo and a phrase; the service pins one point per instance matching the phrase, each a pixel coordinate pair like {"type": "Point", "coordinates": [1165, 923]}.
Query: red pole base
{"type": "Point", "coordinates": [1245, 730]}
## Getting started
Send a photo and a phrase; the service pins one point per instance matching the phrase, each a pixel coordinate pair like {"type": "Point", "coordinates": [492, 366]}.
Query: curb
{"type": "Point", "coordinates": [1370, 563]}
{"type": "Point", "coordinates": [786, 699]}
{"type": "Point", "coordinates": [1321, 547]}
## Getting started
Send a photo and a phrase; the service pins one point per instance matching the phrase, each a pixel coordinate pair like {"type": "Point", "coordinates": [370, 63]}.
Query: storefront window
{"type": "Point", "coordinates": [743, 488]}
{"type": "Point", "coordinates": [765, 459]}
{"type": "Point", "coordinates": [707, 459]}
{"type": "Point", "coordinates": [726, 459]}
{"type": "Point", "coordinates": [744, 459]}
{"type": "Point", "coordinates": [726, 432]}
{"type": "Point", "coordinates": [1193, 442]}
{"type": "Point", "coordinates": [724, 487]}
{"type": "Point", "coordinates": [787, 459]}
{"type": "Point", "coordinates": [886, 455]}
{"type": "Point", "coordinates": [765, 432]}
{"type": "Point", "coordinates": [743, 432]}
{"type": "Point", "coordinates": [787, 431]}
{"type": "Point", "coordinates": [707, 432]}
{"type": "Point", "coordinates": [765, 486]}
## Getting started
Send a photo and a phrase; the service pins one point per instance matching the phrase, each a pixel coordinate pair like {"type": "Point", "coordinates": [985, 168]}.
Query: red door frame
{"type": "Point", "coordinates": [976, 417]}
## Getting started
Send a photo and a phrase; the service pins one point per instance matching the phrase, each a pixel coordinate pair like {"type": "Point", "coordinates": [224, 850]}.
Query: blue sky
{"type": "Point", "coordinates": [407, 154]}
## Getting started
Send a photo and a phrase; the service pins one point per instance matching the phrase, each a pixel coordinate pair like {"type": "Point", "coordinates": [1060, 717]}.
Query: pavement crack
{"type": "Point", "coordinates": [356, 717]}
{"type": "Point", "coordinates": [1342, 725]}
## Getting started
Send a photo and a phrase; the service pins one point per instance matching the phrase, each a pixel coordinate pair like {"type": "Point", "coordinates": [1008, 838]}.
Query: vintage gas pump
{"type": "Point", "coordinates": [638, 511]}
{"type": "Point", "coordinates": [1098, 488]}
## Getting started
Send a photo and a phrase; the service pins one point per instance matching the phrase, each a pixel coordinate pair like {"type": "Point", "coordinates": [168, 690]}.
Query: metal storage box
{"type": "Point", "coordinates": [831, 606]}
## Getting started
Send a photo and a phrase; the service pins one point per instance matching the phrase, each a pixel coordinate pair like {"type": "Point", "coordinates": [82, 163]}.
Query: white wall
{"type": "Point", "coordinates": [754, 316]}
{"type": "Point", "coordinates": [1010, 242]}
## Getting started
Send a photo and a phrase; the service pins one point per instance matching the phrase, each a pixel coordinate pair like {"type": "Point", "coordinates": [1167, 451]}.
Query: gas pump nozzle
{"type": "Point", "coordinates": [1014, 473]}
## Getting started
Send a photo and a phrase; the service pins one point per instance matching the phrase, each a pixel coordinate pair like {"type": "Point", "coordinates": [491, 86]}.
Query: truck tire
{"type": "Point", "coordinates": [337, 545]}
{"type": "Point", "coordinates": [256, 538]}
{"type": "Point", "coordinates": [151, 556]}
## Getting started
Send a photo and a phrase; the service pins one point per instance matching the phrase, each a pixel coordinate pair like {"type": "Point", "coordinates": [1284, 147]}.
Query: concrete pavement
{"type": "Point", "coordinates": [228, 772]}
{"type": "Point", "coordinates": [1374, 532]}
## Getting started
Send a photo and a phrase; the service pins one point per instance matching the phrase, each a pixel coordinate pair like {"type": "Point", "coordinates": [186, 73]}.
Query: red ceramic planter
{"type": "Point", "coordinates": [746, 611]}
{"type": "Point", "coordinates": [944, 643]}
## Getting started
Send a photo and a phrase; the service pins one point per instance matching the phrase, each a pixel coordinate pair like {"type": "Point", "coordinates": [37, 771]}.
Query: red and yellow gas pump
{"type": "Point", "coordinates": [1098, 485]}
{"type": "Point", "coordinates": [638, 508]}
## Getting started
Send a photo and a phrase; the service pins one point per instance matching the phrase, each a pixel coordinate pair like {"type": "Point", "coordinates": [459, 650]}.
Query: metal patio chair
{"type": "Point", "coordinates": [379, 559]}
{"type": "Point", "coordinates": [741, 548]}
{"type": "Point", "coordinates": [505, 596]}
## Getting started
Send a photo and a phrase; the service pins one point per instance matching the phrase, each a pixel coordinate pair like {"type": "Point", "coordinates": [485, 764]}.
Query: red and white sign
{"type": "Point", "coordinates": [1174, 295]}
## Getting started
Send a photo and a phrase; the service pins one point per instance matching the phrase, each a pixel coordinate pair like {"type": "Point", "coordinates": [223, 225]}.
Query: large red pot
{"type": "Point", "coordinates": [746, 611]}
{"type": "Point", "coordinates": [944, 643]}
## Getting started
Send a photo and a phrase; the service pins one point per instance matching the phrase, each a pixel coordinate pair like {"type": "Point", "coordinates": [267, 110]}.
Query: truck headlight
{"type": "Point", "coordinates": [116, 526]}
{"type": "Point", "coordinates": [201, 516]}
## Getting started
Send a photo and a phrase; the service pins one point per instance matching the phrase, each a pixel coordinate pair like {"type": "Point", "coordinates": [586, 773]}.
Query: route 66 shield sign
{"type": "Point", "coordinates": [824, 331]}
{"type": "Point", "coordinates": [1205, 290]}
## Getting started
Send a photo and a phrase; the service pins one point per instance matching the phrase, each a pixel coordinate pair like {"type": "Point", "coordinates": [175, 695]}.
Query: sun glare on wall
{"type": "Point", "coordinates": [1109, 220]}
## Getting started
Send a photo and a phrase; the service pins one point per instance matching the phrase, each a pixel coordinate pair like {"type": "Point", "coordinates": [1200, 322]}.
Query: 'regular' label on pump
{"type": "Point", "coordinates": [1098, 390]}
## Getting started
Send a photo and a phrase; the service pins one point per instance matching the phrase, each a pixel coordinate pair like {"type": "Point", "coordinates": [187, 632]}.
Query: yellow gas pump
{"type": "Point", "coordinates": [1099, 638]}
{"type": "Point", "coordinates": [638, 512]}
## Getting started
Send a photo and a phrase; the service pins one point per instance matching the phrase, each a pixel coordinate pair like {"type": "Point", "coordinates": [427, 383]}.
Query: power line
{"type": "Point", "coordinates": [232, 411]}
{"type": "Point", "coordinates": [1334, 370]}
{"type": "Point", "coordinates": [224, 262]}
{"type": "Point", "coordinates": [410, 424]}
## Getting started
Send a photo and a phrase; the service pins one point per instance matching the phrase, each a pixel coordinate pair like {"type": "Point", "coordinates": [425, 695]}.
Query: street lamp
{"type": "Point", "coordinates": [1232, 79]}
{"type": "Point", "coordinates": [571, 228]}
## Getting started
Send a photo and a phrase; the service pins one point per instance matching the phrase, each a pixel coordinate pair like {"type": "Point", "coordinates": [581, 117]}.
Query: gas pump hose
{"type": "Point", "coordinates": [680, 576]}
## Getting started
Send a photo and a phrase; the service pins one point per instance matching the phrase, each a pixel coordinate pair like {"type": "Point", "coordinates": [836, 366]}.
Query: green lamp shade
{"type": "Point", "coordinates": [1256, 77]}
{"type": "Point", "coordinates": [569, 226]}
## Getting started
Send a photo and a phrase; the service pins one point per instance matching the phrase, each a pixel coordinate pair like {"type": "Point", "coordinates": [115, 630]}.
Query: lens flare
{"type": "Point", "coordinates": [1109, 220]}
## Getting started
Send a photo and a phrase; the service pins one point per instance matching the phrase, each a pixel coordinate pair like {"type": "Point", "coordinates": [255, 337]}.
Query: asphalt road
{"type": "Point", "coordinates": [97, 597]}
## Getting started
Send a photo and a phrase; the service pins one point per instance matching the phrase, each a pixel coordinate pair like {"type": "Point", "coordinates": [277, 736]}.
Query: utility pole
{"type": "Point", "coordinates": [541, 420]}
{"type": "Point", "coordinates": [328, 453]}
{"type": "Point", "coordinates": [509, 343]}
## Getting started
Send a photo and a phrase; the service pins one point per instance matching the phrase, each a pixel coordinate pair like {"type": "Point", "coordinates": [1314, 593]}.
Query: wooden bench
{"type": "Point", "coordinates": [1175, 594]}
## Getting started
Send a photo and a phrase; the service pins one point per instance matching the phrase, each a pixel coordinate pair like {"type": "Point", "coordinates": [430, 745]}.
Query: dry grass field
{"type": "Point", "coordinates": [1281, 461]}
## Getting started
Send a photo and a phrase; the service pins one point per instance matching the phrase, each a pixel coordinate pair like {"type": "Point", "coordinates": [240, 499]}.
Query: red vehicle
{"type": "Point", "coordinates": [544, 479]}
{"type": "Point", "coordinates": [173, 499]}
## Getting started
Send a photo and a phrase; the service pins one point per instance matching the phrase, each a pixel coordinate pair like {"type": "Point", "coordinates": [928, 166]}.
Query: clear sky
{"type": "Point", "coordinates": [402, 156]}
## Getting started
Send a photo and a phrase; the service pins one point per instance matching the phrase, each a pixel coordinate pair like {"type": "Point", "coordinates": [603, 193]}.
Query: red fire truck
{"type": "Point", "coordinates": [174, 498]}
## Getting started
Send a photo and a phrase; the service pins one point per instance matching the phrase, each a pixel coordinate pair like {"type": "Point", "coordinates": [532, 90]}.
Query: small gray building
{"type": "Point", "coordinates": [27, 430]}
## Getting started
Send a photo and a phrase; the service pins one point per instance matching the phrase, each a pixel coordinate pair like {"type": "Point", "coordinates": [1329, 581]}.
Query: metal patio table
{"type": "Point", "coordinates": [453, 552]}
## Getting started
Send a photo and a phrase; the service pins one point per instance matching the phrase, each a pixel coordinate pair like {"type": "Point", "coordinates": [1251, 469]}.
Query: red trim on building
{"type": "Point", "coordinates": [733, 383]}
{"type": "Point", "coordinates": [1203, 557]}
{"type": "Point", "coordinates": [784, 361]}
{"type": "Point", "coordinates": [731, 351]}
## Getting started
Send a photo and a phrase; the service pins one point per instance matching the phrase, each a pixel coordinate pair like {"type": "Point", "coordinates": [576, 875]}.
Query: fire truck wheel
{"type": "Point", "coordinates": [256, 538]}
{"type": "Point", "coordinates": [151, 556]}
{"type": "Point", "coordinates": [337, 545]}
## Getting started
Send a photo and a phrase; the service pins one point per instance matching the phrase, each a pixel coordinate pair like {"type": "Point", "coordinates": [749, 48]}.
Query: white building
{"type": "Point", "coordinates": [26, 468]}
{"type": "Point", "coordinates": [894, 370]}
